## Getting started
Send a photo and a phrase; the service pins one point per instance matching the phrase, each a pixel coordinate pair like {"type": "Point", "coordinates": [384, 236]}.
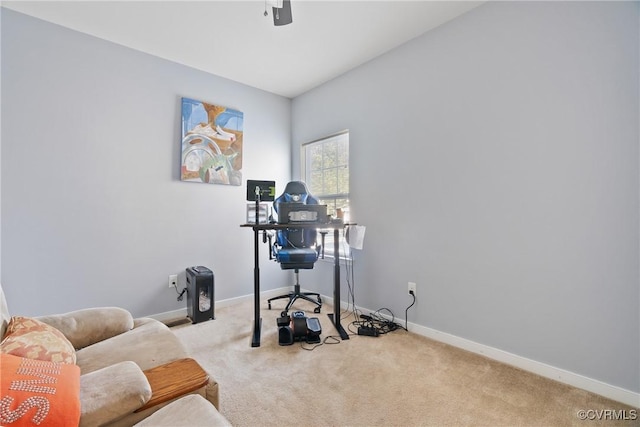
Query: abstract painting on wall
{"type": "Point", "coordinates": [211, 143]}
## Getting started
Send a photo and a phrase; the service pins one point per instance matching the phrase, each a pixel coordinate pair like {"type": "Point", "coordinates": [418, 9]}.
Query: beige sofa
{"type": "Point", "coordinates": [112, 350]}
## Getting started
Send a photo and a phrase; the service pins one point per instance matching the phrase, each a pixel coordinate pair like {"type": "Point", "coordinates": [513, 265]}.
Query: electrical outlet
{"type": "Point", "coordinates": [412, 288]}
{"type": "Point", "coordinates": [173, 281]}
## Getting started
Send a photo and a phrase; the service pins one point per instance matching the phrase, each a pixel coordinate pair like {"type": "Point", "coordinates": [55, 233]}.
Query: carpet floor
{"type": "Point", "coordinates": [397, 379]}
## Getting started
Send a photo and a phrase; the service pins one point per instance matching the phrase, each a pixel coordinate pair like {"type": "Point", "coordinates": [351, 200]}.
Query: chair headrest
{"type": "Point", "coordinates": [296, 187]}
{"type": "Point", "coordinates": [296, 192]}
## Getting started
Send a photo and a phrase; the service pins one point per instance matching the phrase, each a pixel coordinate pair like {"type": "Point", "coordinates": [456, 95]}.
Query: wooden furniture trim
{"type": "Point", "coordinates": [174, 379]}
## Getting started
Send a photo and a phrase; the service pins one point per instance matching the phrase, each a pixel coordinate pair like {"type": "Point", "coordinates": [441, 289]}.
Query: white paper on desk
{"type": "Point", "coordinates": [355, 236]}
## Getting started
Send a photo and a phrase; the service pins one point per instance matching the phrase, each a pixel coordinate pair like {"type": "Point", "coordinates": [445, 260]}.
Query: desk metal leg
{"type": "Point", "coordinates": [257, 321]}
{"type": "Point", "coordinates": [335, 317]}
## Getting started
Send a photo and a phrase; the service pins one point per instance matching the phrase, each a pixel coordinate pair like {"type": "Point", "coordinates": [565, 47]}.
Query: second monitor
{"type": "Point", "coordinates": [264, 191]}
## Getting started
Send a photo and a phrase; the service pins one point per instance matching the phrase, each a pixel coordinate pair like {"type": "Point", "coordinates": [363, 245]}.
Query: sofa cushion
{"type": "Point", "coordinates": [38, 393]}
{"type": "Point", "coordinates": [111, 393]}
{"type": "Point", "coordinates": [27, 337]}
{"type": "Point", "coordinates": [90, 325]}
{"type": "Point", "coordinates": [149, 344]}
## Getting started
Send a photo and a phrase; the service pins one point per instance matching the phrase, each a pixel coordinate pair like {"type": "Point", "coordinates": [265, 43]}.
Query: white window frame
{"type": "Point", "coordinates": [306, 172]}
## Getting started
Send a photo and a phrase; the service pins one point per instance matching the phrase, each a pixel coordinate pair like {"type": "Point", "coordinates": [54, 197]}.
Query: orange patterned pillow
{"type": "Point", "coordinates": [38, 393]}
{"type": "Point", "coordinates": [27, 337]}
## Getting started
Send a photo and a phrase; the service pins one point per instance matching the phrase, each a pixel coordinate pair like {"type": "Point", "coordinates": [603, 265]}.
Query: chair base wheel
{"type": "Point", "coordinates": [293, 296]}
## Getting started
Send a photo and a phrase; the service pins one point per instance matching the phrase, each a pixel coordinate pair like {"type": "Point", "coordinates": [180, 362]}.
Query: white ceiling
{"type": "Point", "coordinates": [233, 39]}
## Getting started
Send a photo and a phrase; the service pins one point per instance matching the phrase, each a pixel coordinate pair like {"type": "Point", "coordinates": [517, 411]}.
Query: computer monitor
{"type": "Point", "coordinates": [266, 190]}
{"type": "Point", "coordinates": [289, 213]}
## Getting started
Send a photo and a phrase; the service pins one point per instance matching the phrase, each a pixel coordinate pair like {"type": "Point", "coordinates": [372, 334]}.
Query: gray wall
{"type": "Point", "coordinates": [1, 9]}
{"type": "Point", "coordinates": [494, 161]}
{"type": "Point", "coordinates": [93, 210]}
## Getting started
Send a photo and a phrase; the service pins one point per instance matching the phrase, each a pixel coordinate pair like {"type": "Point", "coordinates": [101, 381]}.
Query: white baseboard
{"type": "Point", "coordinates": [566, 377]}
{"type": "Point", "coordinates": [544, 370]}
{"type": "Point", "coordinates": [168, 316]}
{"type": "Point", "coordinates": [576, 380]}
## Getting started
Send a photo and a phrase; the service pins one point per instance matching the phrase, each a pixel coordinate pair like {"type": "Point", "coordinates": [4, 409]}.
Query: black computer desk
{"type": "Point", "coordinates": [335, 316]}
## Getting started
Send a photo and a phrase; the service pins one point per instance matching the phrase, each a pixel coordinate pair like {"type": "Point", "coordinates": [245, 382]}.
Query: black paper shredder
{"type": "Point", "coordinates": [200, 300]}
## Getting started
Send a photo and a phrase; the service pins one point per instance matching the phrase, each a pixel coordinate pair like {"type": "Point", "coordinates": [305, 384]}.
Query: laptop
{"type": "Point", "coordinates": [291, 213]}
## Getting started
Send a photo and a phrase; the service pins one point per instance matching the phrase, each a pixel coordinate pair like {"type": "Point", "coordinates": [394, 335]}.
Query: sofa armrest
{"type": "Point", "coordinates": [190, 410]}
{"type": "Point", "coordinates": [89, 326]}
{"type": "Point", "coordinates": [111, 393]}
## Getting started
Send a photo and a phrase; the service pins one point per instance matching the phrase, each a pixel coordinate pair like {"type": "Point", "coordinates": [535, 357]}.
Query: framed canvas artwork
{"type": "Point", "coordinates": [211, 143]}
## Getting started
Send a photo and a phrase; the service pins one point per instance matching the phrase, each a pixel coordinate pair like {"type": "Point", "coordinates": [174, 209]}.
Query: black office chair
{"type": "Point", "coordinates": [296, 248]}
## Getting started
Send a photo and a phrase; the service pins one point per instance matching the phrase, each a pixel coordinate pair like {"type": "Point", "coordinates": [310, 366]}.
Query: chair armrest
{"type": "Point", "coordinates": [112, 392]}
{"type": "Point", "coordinates": [89, 326]}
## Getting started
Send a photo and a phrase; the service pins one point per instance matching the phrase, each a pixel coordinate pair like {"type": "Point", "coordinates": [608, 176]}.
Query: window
{"type": "Point", "coordinates": [325, 167]}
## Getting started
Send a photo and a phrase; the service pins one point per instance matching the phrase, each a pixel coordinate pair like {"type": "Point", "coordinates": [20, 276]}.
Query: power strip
{"type": "Point", "coordinates": [368, 331]}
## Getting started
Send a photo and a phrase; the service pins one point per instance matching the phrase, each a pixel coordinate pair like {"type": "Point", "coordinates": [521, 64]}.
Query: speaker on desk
{"type": "Point", "coordinates": [200, 298]}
